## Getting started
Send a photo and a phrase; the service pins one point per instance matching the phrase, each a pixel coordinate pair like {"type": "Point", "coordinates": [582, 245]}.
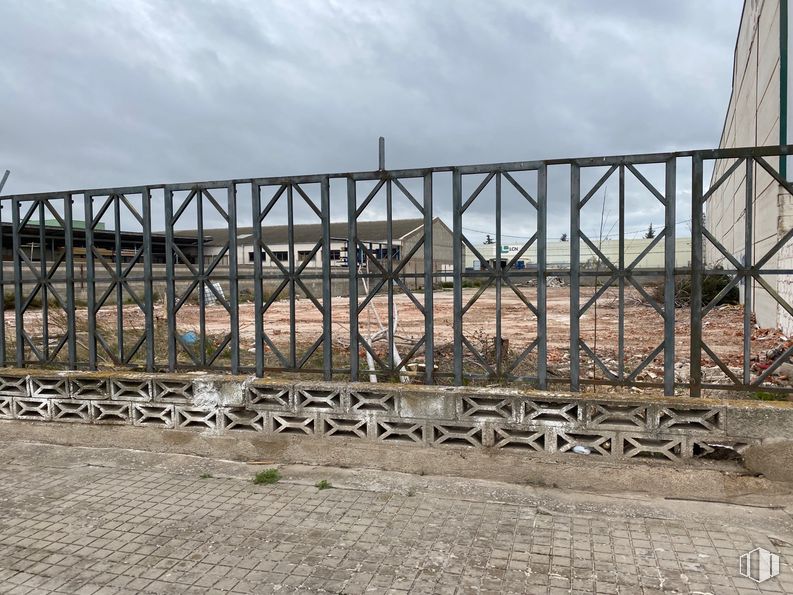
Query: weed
{"type": "Point", "coordinates": [267, 476]}
{"type": "Point", "coordinates": [205, 475]}
{"type": "Point", "coordinates": [323, 484]}
{"type": "Point", "coordinates": [766, 396]}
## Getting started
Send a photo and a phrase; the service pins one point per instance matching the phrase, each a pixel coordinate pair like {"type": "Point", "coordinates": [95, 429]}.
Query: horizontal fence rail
{"type": "Point", "coordinates": [224, 275]}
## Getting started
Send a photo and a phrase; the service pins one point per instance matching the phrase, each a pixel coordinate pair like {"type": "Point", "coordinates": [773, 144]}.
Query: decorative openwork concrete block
{"type": "Point", "coordinates": [14, 386]}
{"type": "Point", "coordinates": [88, 388]}
{"type": "Point", "coordinates": [71, 410]}
{"type": "Point", "coordinates": [268, 397]}
{"type": "Point", "coordinates": [243, 420]}
{"type": "Point", "coordinates": [187, 417]}
{"type": "Point", "coordinates": [33, 409]}
{"type": "Point", "coordinates": [380, 402]}
{"type": "Point", "coordinates": [398, 430]}
{"type": "Point", "coordinates": [49, 388]}
{"type": "Point", "coordinates": [293, 424]}
{"type": "Point", "coordinates": [519, 438]}
{"type": "Point", "coordinates": [456, 434]}
{"type": "Point", "coordinates": [608, 416]}
{"type": "Point", "coordinates": [484, 407]}
{"type": "Point", "coordinates": [152, 415]}
{"type": "Point", "coordinates": [172, 391]}
{"type": "Point", "coordinates": [123, 389]}
{"type": "Point", "coordinates": [322, 399]}
{"type": "Point", "coordinates": [111, 412]}
{"type": "Point", "coordinates": [550, 413]}
{"type": "Point", "coordinates": [350, 426]}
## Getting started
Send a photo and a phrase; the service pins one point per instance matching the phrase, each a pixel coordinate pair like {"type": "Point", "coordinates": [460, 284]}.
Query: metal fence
{"type": "Point", "coordinates": [105, 242]}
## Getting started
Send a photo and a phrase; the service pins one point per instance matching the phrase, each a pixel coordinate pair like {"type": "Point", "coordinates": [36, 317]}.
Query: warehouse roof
{"type": "Point", "coordinates": [309, 233]}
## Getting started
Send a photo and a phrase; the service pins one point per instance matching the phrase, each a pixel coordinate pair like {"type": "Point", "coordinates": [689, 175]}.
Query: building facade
{"type": "Point", "coordinates": [757, 115]}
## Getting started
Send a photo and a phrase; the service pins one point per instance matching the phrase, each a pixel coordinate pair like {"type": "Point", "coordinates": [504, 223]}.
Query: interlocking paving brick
{"type": "Point", "coordinates": [88, 529]}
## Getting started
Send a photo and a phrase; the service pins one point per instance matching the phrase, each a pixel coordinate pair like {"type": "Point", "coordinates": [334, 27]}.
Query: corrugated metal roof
{"type": "Point", "coordinates": [310, 233]}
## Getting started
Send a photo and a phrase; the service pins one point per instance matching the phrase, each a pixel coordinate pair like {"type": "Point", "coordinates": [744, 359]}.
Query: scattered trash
{"type": "Point", "coordinates": [581, 450]}
{"type": "Point", "coordinates": [190, 337]}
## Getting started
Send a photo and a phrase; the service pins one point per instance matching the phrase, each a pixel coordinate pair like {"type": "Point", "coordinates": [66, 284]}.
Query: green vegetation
{"type": "Point", "coordinates": [267, 476]}
{"type": "Point", "coordinates": [323, 484]}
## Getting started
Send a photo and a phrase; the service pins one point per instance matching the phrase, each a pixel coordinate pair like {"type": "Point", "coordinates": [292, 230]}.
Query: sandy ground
{"type": "Point", "coordinates": [722, 329]}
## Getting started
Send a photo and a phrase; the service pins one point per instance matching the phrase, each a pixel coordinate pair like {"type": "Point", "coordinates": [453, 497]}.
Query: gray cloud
{"type": "Point", "coordinates": [107, 94]}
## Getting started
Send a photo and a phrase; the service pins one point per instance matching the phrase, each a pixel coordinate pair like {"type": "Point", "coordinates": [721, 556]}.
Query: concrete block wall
{"type": "Point", "coordinates": [675, 429]}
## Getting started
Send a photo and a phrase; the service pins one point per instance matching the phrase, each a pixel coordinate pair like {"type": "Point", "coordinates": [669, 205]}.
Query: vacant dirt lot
{"type": "Point", "coordinates": [643, 330]}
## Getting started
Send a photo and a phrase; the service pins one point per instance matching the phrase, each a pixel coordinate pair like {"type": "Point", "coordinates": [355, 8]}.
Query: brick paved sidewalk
{"type": "Point", "coordinates": [147, 524]}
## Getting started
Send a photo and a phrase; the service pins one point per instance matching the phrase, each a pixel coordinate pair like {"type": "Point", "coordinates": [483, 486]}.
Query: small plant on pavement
{"type": "Point", "coordinates": [205, 475]}
{"type": "Point", "coordinates": [267, 476]}
{"type": "Point", "coordinates": [323, 485]}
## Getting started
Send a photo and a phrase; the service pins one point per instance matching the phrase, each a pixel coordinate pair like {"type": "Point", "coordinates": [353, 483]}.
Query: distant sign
{"type": "Point", "coordinates": [509, 249]}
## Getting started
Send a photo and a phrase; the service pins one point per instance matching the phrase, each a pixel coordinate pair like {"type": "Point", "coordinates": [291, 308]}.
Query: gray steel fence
{"type": "Point", "coordinates": [105, 243]}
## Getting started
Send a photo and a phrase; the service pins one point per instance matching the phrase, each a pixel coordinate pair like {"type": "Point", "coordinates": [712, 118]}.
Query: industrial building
{"type": "Point", "coordinates": [558, 254]}
{"type": "Point", "coordinates": [373, 234]}
{"type": "Point", "coordinates": [758, 115]}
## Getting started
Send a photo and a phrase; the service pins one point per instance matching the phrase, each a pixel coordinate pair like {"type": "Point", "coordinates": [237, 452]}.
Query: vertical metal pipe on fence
{"type": "Point", "coordinates": [389, 227]}
{"type": "Point", "coordinates": [670, 255]}
{"type": "Point", "coordinates": [18, 312]}
{"type": "Point", "coordinates": [234, 288]}
{"type": "Point", "coordinates": [457, 265]}
{"type": "Point", "coordinates": [542, 279]}
{"type": "Point", "coordinates": [43, 290]}
{"type": "Point", "coordinates": [148, 280]}
{"type": "Point", "coordinates": [290, 240]}
{"type": "Point", "coordinates": [748, 258]}
{"type": "Point", "coordinates": [258, 297]}
{"type": "Point", "coordinates": [71, 322]}
{"type": "Point", "coordinates": [352, 266]}
{"type": "Point", "coordinates": [90, 278]}
{"type": "Point", "coordinates": [3, 355]}
{"type": "Point", "coordinates": [697, 276]}
{"type": "Point", "coordinates": [429, 343]}
{"type": "Point", "coordinates": [327, 296]}
{"type": "Point", "coordinates": [499, 272]}
{"type": "Point", "coordinates": [203, 283]}
{"type": "Point", "coordinates": [575, 281]}
{"type": "Point", "coordinates": [170, 284]}
{"type": "Point", "coordinates": [118, 271]}
{"type": "Point", "coordinates": [621, 301]}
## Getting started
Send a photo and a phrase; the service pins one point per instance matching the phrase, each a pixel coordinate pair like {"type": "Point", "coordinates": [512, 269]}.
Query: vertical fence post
{"type": "Point", "coordinates": [352, 266]}
{"type": "Point", "coordinates": [43, 290]}
{"type": "Point", "coordinates": [71, 330]}
{"type": "Point", "coordinates": [148, 279]}
{"type": "Point", "coordinates": [748, 257]}
{"type": "Point", "coordinates": [202, 278]}
{"type": "Point", "coordinates": [258, 296]}
{"type": "Point", "coordinates": [170, 284]}
{"type": "Point", "coordinates": [290, 240]}
{"type": "Point", "coordinates": [697, 275]}
{"type": "Point", "coordinates": [542, 280]}
{"type": "Point", "coordinates": [118, 269]}
{"type": "Point", "coordinates": [327, 296]}
{"type": "Point", "coordinates": [621, 318]}
{"type": "Point", "coordinates": [670, 256]}
{"type": "Point", "coordinates": [234, 286]}
{"type": "Point", "coordinates": [575, 287]}
{"type": "Point", "coordinates": [429, 344]}
{"type": "Point", "coordinates": [18, 314]}
{"type": "Point", "coordinates": [499, 273]}
{"type": "Point", "coordinates": [457, 262]}
{"type": "Point", "coordinates": [390, 282]}
{"type": "Point", "coordinates": [3, 358]}
{"type": "Point", "coordinates": [90, 224]}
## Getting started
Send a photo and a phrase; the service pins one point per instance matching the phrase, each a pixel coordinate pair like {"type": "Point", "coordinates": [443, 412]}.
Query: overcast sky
{"type": "Point", "coordinates": [132, 92]}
